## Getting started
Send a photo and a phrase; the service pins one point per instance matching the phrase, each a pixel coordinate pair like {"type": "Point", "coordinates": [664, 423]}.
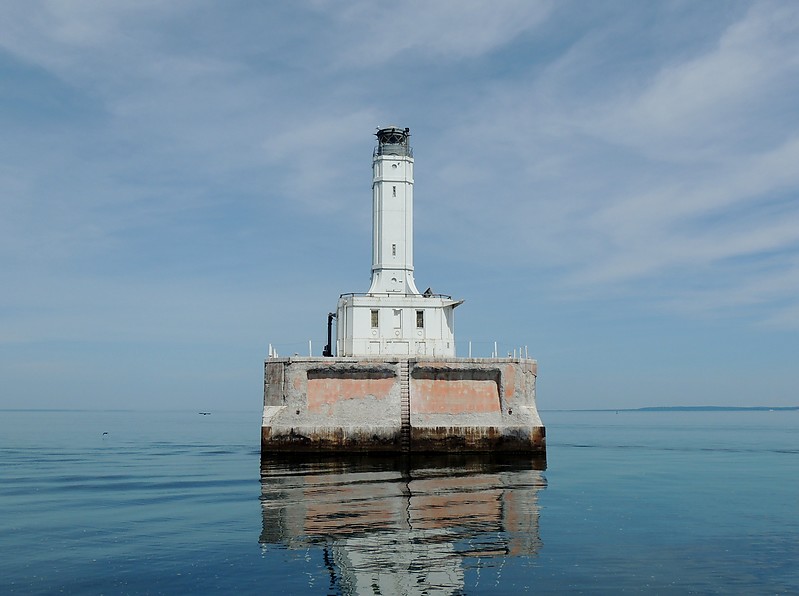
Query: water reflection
{"type": "Point", "coordinates": [399, 526]}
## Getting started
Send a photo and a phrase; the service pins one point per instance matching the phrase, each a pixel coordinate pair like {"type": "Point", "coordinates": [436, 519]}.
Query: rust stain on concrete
{"type": "Point", "coordinates": [457, 396]}
{"type": "Point", "coordinates": [328, 391]}
{"type": "Point", "coordinates": [509, 380]}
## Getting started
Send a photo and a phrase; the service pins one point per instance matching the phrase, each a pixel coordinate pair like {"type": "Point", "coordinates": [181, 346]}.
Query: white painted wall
{"type": "Point", "coordinates": [397, 331]}
{"type": "Point", "coordinates": [392, 225]}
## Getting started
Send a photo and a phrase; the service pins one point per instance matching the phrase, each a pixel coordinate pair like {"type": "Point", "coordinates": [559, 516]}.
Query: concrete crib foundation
{"type": "Point", "coordinates": [401, 404]}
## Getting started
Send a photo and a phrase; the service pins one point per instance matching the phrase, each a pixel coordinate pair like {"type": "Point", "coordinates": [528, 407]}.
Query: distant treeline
{"type": "Point", "coordinates": [690, 409]}
{"type": "Point", "coordinates": [714, 408]}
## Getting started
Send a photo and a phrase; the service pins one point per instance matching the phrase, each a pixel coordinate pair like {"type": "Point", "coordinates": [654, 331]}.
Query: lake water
{"type": "Point", "coordinates": [176, 502]}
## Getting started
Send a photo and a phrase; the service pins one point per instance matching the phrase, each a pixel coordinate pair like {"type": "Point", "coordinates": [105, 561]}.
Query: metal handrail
{"type": "Point", "coordinates": [373, 294]}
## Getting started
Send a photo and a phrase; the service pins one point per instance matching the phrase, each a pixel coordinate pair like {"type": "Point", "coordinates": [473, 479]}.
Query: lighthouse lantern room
{"type": "Point", "coordinates": [393, 317]}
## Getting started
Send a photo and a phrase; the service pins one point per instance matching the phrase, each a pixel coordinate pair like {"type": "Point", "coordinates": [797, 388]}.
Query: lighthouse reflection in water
{"type": "Point", "coordinates": [394, 526]}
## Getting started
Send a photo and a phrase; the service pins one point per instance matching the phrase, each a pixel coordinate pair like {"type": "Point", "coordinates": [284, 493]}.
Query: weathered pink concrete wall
{"type": "Point", "coordinates": [393, 404]}
{"type": "Point", "coordinates": [325, 393]}
{"type": "Point", "coordinates": [457, 396]}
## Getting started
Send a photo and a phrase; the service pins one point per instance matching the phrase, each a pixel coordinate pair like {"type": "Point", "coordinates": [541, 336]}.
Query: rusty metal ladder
{"type": "Point", "coordinates": [405, 406]}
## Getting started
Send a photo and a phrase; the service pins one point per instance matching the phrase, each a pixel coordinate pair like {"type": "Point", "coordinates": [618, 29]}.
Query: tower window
{"type": "Point", "coordinates": [393, 250]}
{"type": "Point", "coordinates": [393, 191]}
{"type": "Point", "coordinates": [375, 318]}
{"type": "Point", "coordinates": [420, 319]}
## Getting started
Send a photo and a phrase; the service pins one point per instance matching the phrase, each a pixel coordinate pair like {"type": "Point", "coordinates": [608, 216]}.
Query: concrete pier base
{"type": "Point", "coordinates": [401, 404]}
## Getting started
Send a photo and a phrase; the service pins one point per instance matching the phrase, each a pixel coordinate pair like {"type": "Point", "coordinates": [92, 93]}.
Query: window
{"type": "Point", "coordinates": [393, 191]}
{"type": "Point", "coordinates": [393, 250]}
{"type": "Point", "coordinates": [375, 318]}
{"type": "Point", "coordinates": [420, 319]}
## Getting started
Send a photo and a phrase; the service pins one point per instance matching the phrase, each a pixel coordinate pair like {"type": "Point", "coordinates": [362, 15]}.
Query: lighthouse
{"type": "Point", "coordinates": [392, 381]}
{"type": "Point", "coordinates": [393, 317]}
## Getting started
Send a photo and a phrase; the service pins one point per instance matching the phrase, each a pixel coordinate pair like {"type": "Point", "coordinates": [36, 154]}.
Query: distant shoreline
{"type": "Point", "coordinates": [688, 409]}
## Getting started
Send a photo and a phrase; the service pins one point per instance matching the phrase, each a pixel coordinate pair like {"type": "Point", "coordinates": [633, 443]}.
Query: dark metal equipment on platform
{"type": "Point", "coordinates": [328, 351]}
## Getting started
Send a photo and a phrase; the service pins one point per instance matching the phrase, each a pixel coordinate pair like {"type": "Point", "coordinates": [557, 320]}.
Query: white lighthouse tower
{"type": "Point", "coordinates": [393, 318]}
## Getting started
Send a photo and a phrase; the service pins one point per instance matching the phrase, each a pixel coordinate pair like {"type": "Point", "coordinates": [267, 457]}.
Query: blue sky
{"type": "Point", "coordinates": [612, 184]}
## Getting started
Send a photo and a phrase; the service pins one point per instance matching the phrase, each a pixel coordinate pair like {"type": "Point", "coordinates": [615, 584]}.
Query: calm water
{"type": "Point", "coordinates": [177, 502]}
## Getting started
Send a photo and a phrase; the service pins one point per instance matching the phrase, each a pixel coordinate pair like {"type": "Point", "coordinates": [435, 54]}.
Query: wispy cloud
{"type": "Point", "coordinates": [713, 104]}
{"type": "Point", "coordinates": [668, 172]}
{"type": "Point", "coordinates": [428, 31]}
{"type": "Point", "coordinates": [154, 152]}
